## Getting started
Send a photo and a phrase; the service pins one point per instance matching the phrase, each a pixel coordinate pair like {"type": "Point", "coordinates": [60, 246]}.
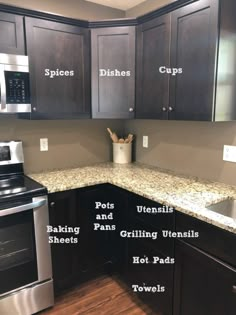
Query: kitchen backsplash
{"type": "Point", "coordinates": [71, 143]}
{"type": "Point", "coordinates": [192, 148]}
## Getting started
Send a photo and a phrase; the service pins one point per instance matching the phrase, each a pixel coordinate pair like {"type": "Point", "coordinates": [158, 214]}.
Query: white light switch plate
{"type": "Point", "coordinates": [145, 141]}
{"type": "Point", "coordinates": [229, 153]}
{"type": "Point", "coordinates": [44, 144]}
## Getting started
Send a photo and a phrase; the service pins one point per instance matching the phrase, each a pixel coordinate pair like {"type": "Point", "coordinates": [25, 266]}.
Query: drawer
{"type": "Point", "coordinates": [213, 240]}
{"type": "Point", "coordinates": [158, 220]}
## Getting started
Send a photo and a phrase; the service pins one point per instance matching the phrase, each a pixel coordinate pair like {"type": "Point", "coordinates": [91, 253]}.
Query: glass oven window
{"type": "Point", "coordinates": [18, 262]}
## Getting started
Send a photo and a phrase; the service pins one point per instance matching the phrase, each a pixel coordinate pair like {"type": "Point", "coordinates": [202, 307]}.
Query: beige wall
{"type": "Point", "coordinates": [71, 143]}
{"type": "Point", "coordinates": [79, 9]}
{"type": "Point", "coordinates": [192, 148]}
{"type": "Point", "coordinates": [147, 6]}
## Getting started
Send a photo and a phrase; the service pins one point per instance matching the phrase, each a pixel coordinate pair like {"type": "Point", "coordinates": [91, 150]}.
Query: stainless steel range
{"type": "Point", "coordinates": [26, 284]}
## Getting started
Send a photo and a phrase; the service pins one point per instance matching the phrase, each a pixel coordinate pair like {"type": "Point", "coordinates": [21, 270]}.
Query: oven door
{"type": "Point", "coordinates": [25, 256]}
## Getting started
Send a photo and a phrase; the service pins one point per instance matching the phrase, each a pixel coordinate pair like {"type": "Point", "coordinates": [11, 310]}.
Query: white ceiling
{"type": "Point", "coordinates": [118, 4]}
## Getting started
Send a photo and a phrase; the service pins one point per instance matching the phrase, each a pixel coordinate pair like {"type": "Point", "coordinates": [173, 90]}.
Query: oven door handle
{"type": "Point", "coordinates": [28, 206]}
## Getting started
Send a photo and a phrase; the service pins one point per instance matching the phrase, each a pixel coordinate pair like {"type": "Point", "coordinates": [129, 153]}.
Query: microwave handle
{"type": "Point", "coordinates": [2, 89]}
{"type": "Point", "coordinates": [39, 203]}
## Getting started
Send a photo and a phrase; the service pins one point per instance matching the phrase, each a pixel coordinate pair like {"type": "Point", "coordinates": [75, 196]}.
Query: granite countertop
{"type": "Point", "coordinates": [186, 194]}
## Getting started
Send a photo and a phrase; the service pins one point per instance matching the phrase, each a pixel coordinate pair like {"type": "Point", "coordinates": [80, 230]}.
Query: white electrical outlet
{"type": "Point", "coordinates": [145, 141]}
{"type": "Point", "coordinates": [229, 153]}
{"type": "Point", "coordinates": [44, 144]}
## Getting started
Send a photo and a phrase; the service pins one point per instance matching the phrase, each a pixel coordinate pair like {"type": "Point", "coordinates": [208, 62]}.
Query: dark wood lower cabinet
{"type": "Point", "coordinates": [155, 269]}
{"type": "Point", "coordinates": [99, 248]}
{"type": "Point", "coordinates": [63, 212]}
{"type": "Point", "coordinates": [199, 278]}
{"type": "Point", "coordinates": [152, 275]}
{"type": "Point", "coordinates": [203, 284]}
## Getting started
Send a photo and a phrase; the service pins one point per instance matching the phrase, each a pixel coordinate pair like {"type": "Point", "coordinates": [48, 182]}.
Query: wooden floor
{"type": "Point", "coordinates": [102, 296]}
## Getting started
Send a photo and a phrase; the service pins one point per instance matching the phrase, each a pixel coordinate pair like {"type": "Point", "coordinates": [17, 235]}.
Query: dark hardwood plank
{"type": "Point", "coordinates": [103, 296]}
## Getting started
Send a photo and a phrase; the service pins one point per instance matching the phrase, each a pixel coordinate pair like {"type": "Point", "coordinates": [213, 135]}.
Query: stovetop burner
{"type": "Point", "coordinates": [13, 183]}
{"type": "Point", "coordinates": [12, 186]}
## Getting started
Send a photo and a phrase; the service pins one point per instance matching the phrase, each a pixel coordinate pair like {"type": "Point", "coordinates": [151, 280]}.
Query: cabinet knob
{"type": "Point", "coordinates": [170, 109]}
{"type": "Point", "coordinates": [131, 109]}
{"type": "Point", "coordinates": [234, 289]}
{"type": "Point", "coordinates": [52, 204]}
{"type": "Point", "coordinates": [34, 109]}
{"type": "Point", "coordinates": [164, 109]}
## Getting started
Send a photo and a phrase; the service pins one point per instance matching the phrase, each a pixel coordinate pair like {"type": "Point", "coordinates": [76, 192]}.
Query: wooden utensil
{"type": "Point", "coordinates": [130, 137]}
{"type": "Point", "coordinates": [113, 135]}
{"type": "Point", "coordinates": [121, 140]}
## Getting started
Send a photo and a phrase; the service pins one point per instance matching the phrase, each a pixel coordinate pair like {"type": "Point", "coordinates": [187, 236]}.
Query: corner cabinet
{"type": "Point", "coordinates": [113, 72]}
{"type": "Point", "coordinates": [12, 39]}
{"type": "Point", "coordinates": [59, 68]}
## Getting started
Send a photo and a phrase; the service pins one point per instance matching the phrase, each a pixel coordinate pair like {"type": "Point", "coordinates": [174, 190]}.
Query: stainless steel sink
{"type": "Point", "coordinates": [226, 207]}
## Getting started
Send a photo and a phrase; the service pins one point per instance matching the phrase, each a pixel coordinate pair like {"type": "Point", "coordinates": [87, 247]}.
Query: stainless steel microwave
{"type": "Point", "coordinates": [14, 84]}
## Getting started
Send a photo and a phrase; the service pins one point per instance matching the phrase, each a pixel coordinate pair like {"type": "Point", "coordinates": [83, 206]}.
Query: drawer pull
{"type": "Point", "coordinates": [234, 289]}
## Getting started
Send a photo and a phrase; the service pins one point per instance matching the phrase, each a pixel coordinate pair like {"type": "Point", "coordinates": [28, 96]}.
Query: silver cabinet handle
{"type": "Point", "coordinates": [164, 109]}
{"type": "Point", "coordinates": [170, 109]}
{"type": "Point", "coordinates": [34, 109]}
{"type": "Point", "coordinates": [27, 206]}
{"type": "Point", "coordinates": [234, 289]}
{"type": "Point", "coordinates": [131, 109]}
{"type": "Point", "coordinates": [52, 204]}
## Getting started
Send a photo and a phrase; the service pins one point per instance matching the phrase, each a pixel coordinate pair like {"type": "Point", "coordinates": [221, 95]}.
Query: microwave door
{"type": "Point", "coordinates": [3, 107]}
{"type": "Point", "coordinates": [16, 78]}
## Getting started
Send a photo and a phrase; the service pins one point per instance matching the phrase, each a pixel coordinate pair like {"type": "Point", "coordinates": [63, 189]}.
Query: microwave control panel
{"type": "Point", "coordinates": [17, 87]}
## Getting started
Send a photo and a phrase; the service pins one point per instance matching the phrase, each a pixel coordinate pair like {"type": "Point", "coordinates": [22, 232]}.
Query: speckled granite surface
{"type": "Point", "coordinates": [189, 195]}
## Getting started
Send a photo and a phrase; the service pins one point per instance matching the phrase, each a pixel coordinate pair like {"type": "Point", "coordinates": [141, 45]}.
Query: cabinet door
{"type": "Point", "coordinates": [12, 34]}
{"type": "Point", "coordinates": [100, 214]}
{"type": "Point", "coordinates": [153, 52]}
{"type": "Point", "coordinates": [203, 284]}
{"type": "Point", "coordinates": [151, 274]}
{"type": "Point", "coordinates": [63, 49]}
{"type": "Point", "coordinates": [193, 49]}
{"type": "Point", "coordinates": [62, 212]}
{"type": "Point", "coordinates": [113, 72]}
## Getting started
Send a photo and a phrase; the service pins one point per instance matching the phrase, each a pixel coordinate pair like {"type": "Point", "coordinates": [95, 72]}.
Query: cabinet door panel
{"type": "Point", "coordinates": [151, 275]}
{"type": "Point", "coordinates": [12, 34]}
{"type": "Point", "coordinates": [113, 95]}
{"type": "Point", "coordinates": [58, 47]}
{"type": "Point", "coordinates": [203, 285]}
{"type": "Point", "coordinates": [153, 44]}
{"type": "Point", "coordinates": [193, 48]}
{"type": "Point", "coordinates": [62, 212]}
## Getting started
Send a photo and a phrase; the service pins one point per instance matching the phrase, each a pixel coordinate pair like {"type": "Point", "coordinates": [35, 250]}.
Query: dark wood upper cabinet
{"type": "Point", "coordinates": [203, 284]}
{"type": "Point", "coordinates": [193, 49]}
{"type": "Point", "coordinates": [202, 51]}
{"type": "Point", "coordinates": [113, 72]}
{"type": "Point", "coordinates": [12, 34]}
{"type": "Point", "coordinates": [152, 87]}
{"type": "Point", "coordinates": [59, 69]}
